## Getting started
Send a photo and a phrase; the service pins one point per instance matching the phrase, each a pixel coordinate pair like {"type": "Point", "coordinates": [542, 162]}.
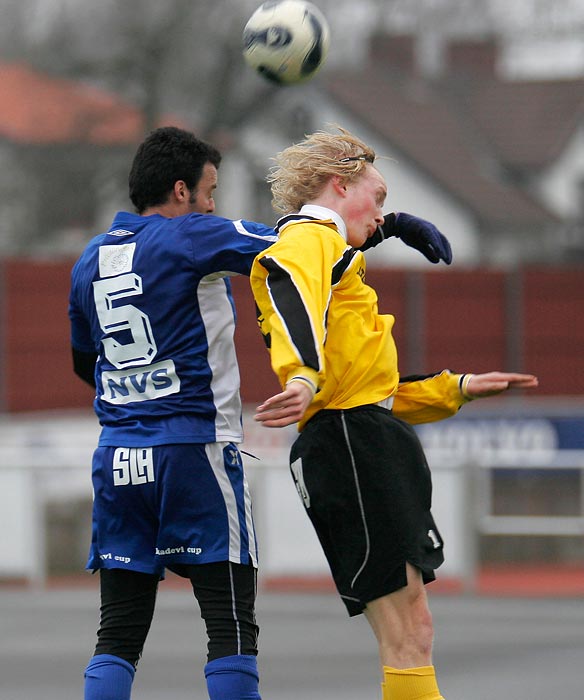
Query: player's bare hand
{"type": "Point", "coordinates": [285, 408]}
{"type": "Point", "coordinates": [492, 383]}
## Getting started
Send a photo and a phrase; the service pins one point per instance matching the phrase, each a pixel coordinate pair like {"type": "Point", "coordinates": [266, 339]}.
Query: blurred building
{"type": "Point", "coordinates": [64, 153]}
{"type": "Point", "coordinates": [497, 164]}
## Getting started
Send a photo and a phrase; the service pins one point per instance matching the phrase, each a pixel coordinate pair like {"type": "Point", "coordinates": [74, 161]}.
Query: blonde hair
{"type": "Point", "coordinates": [303, 169]}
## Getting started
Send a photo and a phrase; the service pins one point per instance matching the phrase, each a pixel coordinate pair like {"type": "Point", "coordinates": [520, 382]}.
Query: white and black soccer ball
{"type": "Point", "coordinates": [286, 41]}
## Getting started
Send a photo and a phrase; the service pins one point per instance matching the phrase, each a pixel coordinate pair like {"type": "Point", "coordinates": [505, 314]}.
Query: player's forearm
{"type": "Point", "coordinates": [429, 398]}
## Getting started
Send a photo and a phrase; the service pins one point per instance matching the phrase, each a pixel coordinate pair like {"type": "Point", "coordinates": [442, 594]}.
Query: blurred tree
{"type": "Point", "coordinates": [179, 60]}
{"type": "Point", "coordinates": [180, 57]}
{"type": "Point", "coordinates": [183, 57]}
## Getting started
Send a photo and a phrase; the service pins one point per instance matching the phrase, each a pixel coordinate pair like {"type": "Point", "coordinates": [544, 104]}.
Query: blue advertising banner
{"type": "Point", "coordinates": [535, 438]}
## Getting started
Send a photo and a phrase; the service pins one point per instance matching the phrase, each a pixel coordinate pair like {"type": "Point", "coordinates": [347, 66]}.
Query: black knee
{"type": "Point", "coordinates": [127, 607]}
{"type": "Point", "coordinates": [226, 594]}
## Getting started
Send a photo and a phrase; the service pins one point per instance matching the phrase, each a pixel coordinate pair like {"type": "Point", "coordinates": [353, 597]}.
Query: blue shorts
{"type": "Point", "coordinates": [169, 506]}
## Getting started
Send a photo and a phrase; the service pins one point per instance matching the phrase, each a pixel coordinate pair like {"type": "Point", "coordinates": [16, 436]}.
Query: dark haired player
{"type": "Point", "coordinates": [152, 322]}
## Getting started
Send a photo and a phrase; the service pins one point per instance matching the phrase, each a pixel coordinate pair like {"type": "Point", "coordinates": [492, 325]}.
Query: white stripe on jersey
{"type": "Point", "coordinates": [214, 451]}
{"type": "Point", "coordinates": [240, 228]}
{"type": "Point", "coordinates": [217, 317]}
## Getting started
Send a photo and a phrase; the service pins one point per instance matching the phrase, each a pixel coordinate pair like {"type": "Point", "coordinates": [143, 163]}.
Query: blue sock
{"type": "Point", "coordinates": [233, 678]}
{"type": "Point", "coordinates": [108, 677]}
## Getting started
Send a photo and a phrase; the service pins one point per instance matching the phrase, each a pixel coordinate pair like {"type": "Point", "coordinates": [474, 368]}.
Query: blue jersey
{"type": "Point", "coordinates": [152, 298]}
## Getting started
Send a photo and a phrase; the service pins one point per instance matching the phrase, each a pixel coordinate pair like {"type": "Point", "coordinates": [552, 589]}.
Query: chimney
{"type": "Point", "coordinates": [394, 52]}
{"type": "Point", "coordinates": [471, 57]}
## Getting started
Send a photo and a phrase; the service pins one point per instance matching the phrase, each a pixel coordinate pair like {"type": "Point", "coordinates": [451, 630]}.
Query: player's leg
{"type": "Point", "coordinates": [402, 624]}
{"type": "Point", "coordinates": [124, 531]}
{"type": "Point", "coordinates": [207, 534]}
{"type": "Point", "coordinates": [127, 606]}
{"type": "Point", "coordinates": [226, 594]}
{"type": "Point", "coordinates": [374, 466]}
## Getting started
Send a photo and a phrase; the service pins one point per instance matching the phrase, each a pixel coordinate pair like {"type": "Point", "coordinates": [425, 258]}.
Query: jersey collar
{"type": "Point", "coordinates": [313, 212]}
{"type": "Point", "coordinates": [324, 213]}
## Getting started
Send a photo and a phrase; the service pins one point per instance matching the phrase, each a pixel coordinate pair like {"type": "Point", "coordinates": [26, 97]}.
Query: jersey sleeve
{"type": "Point", "coordinates": [292, 286]}
{"type": "Point", "coordinates": [80, 327]}
{"type": "Point", "coordinates": [225, 247]}
{"type": "Point", "coordinates": [429, 398]}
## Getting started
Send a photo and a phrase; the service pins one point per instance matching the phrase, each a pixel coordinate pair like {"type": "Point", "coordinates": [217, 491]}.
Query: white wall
{"type": "Point", "coordinates": [561, 187]}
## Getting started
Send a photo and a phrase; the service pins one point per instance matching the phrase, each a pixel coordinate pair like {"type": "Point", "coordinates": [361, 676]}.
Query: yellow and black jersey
{"type": "Point", "coordinates": [321, 323]}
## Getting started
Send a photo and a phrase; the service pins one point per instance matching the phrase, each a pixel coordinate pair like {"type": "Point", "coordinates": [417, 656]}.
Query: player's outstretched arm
{"type": "Point", "coordinates": [492, 383]}
{"type": "Point", "coordinates": [434, 397]}
{"type": "Point", "coordinates": [287, 407]}
{"type": "Point", "coordinates": [414, 232]}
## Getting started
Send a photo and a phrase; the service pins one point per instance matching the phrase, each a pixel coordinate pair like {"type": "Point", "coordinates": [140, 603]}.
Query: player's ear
{"type": "Point", "coordinates": [339, 185]}
{"type": "Point", "coordinates": [181, 191]}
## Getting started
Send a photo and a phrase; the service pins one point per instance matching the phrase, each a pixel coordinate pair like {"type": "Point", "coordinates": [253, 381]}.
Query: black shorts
{"type": "Point", "coordinates": [366, 486]}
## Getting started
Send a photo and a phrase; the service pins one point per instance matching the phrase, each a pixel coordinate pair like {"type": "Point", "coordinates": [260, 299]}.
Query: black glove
{"type": "Point", "coordinates": [414, 232]}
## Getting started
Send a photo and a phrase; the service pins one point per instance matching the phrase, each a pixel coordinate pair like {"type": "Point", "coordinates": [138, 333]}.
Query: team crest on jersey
{"type": "Point", "coordinates": [116, 259]}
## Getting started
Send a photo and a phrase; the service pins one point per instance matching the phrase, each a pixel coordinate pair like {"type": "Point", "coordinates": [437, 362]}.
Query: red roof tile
{"type": "Point", "coordinates": [428, 130]}
{"type": "Point", "coordinates": [470, 131]}
{"type": "Point", "coordinates": [529, 123]}
{"type": "Point", "coordinates": [40, 109]}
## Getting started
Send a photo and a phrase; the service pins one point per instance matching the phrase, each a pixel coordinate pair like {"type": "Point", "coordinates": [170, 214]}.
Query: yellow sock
{"type": "Point", "coordinates": [410, 684]}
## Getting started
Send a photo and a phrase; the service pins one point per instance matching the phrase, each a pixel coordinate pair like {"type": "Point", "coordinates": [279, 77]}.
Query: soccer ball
{"type": "Point", "coordinates": [286, 41]}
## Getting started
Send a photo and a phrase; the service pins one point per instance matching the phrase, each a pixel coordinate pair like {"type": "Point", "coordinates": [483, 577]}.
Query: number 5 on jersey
{"type": "Point", "coordinates": [125, 317]}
